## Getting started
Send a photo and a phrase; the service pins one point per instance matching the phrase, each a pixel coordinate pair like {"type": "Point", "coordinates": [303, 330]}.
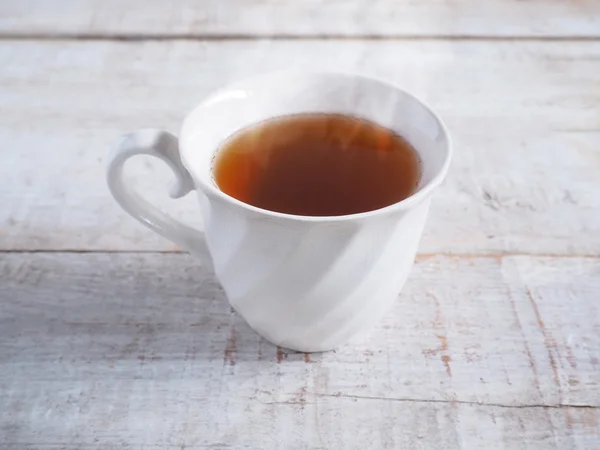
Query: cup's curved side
{"type": "Point", "coordinates": [311, 286]}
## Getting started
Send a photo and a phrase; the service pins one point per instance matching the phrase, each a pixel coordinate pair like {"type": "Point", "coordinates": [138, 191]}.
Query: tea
{"type": "Point", "coordinates": [317, 165]}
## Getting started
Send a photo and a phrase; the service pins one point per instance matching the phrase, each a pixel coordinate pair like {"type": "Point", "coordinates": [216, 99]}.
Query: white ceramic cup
{"type": "Point", "coordinates": [304, 283]}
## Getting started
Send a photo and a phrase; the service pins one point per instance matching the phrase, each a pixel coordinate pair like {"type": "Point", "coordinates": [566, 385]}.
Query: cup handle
{"type": "Point", "coordinates": [164, 146]}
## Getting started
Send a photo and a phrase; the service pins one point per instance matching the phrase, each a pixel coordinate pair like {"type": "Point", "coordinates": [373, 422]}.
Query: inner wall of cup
{"type": "Point", "coordinates": [239, 107]}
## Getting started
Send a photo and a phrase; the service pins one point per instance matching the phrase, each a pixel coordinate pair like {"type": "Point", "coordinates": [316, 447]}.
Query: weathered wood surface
{"type": "Point", "coordinates": [136, 351]}
{"type": "Point", "coordinates": [525, 117]}
{"type": "Point", "coordinates": [140, 350]}
{"type": "Point", "coordinates": [267, 18]}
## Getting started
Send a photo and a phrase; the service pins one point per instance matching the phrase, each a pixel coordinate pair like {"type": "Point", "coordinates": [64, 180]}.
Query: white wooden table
{"type": "Point", "coordinates": [111, 338]}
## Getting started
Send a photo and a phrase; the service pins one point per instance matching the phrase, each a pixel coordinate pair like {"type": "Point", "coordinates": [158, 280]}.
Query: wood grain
{"type": "Point", "coordinates": [495, 340]}
{"type": "Point", "coordinates": [142, 351]}
{"type": "Point", "coordinates": [525, 118]}
{"type": "Point", "coordinates": [268, 18]}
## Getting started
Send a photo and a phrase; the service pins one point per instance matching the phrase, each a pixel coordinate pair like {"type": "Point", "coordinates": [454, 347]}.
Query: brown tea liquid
{"type": "Point", "coordinates": [317, 165]}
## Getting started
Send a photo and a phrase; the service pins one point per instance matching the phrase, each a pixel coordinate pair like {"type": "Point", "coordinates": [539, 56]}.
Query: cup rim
{"type": "Point", "coordinates": [404, 204]}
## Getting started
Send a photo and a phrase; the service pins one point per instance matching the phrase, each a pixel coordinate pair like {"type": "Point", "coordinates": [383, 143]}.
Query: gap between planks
{"type": "Point", "coordinates": [419, 257]}
{"type": "Point", "coordinates": [451, 402]}
{"type": "Point", "coordinates": [138, 37]}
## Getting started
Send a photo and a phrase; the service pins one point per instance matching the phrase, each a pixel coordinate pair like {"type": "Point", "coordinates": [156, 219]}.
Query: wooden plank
{"type": "Point", "coordinates": [363, 18]}
{"type": "Point", "coordinates": [525, 117]}
{"type": "Point", "coordinates": [142, 351]}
